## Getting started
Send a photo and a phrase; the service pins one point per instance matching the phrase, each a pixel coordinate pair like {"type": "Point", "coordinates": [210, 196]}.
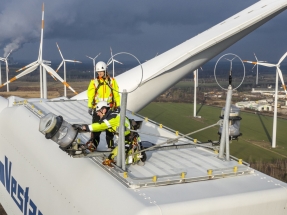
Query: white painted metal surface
{"type": "Point", "coordinates": [59, 184]}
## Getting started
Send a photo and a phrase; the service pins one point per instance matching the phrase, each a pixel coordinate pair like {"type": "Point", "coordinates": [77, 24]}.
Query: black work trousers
{"type": "Point", "coordinates": [95, 136]}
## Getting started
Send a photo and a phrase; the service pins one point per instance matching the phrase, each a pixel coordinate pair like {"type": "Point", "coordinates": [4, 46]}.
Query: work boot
{"type": "Point", "coordinates": [108, 162]}
{"type": "Point", "coordinates": [91, 146]}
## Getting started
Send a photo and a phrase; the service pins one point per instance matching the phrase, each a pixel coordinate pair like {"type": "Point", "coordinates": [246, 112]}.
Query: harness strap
{"type": "Point", "coordinates": [102, 83]}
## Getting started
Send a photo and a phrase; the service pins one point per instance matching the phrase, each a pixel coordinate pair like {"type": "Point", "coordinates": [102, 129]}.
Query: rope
{"type": "Point", "coordinates": [176, 139]}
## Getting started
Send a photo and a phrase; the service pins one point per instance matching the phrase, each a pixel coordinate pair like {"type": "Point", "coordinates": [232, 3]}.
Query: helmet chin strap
{"type": "Point", "coordinates": [102, 111]}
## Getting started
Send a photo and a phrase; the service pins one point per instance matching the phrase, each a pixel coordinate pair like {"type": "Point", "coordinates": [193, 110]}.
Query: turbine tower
{"type": "Point", "coordinates": [7, 69]}
{"type": "Point", "coordinates": [42, 64]}
{"type": "Point", "coordinates": [278, 72]}
{"type": "Point", "coordinates": [94, 63]}
{"type": "Point", "coordinates": [64, 62]}
{"type": "Point", "coordinates": [257, 67]}
{"type": "Point", "coordinates": [113, 61]}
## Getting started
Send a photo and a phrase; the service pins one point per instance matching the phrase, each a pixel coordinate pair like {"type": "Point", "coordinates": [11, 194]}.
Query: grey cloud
{"type": "Point", "coordinates": [125, 24]}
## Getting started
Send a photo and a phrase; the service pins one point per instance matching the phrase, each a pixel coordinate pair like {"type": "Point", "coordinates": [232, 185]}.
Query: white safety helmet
{"type": "Point", "coordinates": [101, 66]}
{"type": "Point", "coordinates": [101, 104]}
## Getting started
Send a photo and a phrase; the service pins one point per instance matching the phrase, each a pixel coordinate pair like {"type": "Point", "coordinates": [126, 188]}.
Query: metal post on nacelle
{"type": "Point", "coordinates": [121, 158]}
{"type": "Point", "coordinates": [228, 100]}
{"type": "Point", "coordinates": [122, 121]}
{"type": "Point", "coordinates": [275, 113]}
{"type": "Point", "coordinates": [224, 140]}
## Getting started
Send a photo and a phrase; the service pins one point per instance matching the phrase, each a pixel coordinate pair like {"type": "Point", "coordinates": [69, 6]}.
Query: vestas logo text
{"type": "Point", "coordinates": [18, 194]}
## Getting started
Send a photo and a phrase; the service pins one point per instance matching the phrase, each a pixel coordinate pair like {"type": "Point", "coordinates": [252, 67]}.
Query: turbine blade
{"type": "Point", "coordinates": [73, 61]}
{"type": "Point", "coordinates": [256, 58]}
{"type": "Point", "coordinates": [262, 64]}
{"type": "Point", "coordinates": [267, 64]}
{"type": "Point", "coordinates": [29, 65]}
{"type": "Point", "coordinates": [254, 66]}
{"type": "Point", "coordinates": [60, 51]}
{"type": "Point", "coordinates": [117, 61]}
{"type": "Point", "coordinates": [52, 72]}
{"type": "Point", "coordinates": [89, 57]}
{"type": "Point", "coordinates": [282, 80]}
{"type": "Point", "coordinates": [57, 70]}
{"type": "Point", "coordinates": [97, 56]}
{"type": "Point", "coordinates": [282, 58]}
{"type": "Point", "coordinates": [111, 53]}
{"type": "Point", "coordinates": [109, 62]}
{"type": "Point", "coordinates": [40, 57]}
{"type": "Point", "coordinates": [27, 71]}
{"type": "Point", "coordinates": [246, 61]}
{"type": "Point", "coordinates": [8, 54]}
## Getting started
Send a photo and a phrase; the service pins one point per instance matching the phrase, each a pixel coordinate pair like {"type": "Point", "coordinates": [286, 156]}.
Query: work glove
{"type": "Point", "coordinates": [117, 109]}
{"type": "Point", "coordinates": [81, 128]}
{"type": "Point", "coordinates": [90, 111]}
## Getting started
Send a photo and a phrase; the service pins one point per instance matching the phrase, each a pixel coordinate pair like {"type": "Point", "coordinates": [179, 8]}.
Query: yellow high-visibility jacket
{"type": "Point", "coordinates": [101, 90]}
{"type": "Point", "coordinates": [110, 122]}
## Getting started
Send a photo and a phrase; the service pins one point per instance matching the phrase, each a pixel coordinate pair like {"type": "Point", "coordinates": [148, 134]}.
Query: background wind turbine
{"type": "Point", "coordinates": [64, 62]}
{"type": "Point", "coordinates": [257, 67]}
{"type": "Point", "coordinates": [278, 72]}
{"type": "Point", "coordinates": [113, 61]}
{"type": "Point", "coordinates": [7, 69]}
{"type": "Point", "coordinates": [94, 63]}
{"type": "Point", "coordinates": [39, 63]}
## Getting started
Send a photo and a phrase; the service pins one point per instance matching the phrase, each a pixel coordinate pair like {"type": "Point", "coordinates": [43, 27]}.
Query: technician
{"type": "Point", "coordinates": [103, 88]}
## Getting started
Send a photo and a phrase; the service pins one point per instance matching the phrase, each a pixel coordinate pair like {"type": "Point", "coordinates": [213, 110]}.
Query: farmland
{"type": "Point", "coordinates": [253, 145]}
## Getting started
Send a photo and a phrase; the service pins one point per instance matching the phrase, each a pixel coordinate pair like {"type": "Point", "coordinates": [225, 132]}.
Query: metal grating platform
{"type": "Point", "coordinates": [183, 162]}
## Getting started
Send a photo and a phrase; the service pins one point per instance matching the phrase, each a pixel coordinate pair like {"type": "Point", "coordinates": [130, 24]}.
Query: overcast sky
{"type": "Point", "coordinates": [141, 27]}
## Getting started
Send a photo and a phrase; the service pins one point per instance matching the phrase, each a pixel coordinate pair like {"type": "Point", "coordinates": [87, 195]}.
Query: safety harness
{"type": "Point", "coordinates": [99, 84]}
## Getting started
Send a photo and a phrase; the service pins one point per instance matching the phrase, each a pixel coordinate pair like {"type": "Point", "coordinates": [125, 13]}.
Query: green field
{"type": "Point", "coordinates": [254, 145]}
